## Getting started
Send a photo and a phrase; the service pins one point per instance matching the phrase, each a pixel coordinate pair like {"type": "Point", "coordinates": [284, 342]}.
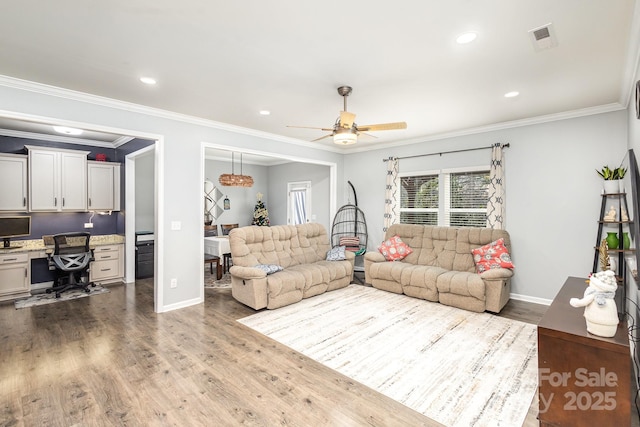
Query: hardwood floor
{"type": "Point", "coordinates": [110, 360]}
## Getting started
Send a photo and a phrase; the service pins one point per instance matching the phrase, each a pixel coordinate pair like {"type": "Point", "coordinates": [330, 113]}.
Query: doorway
{"type": "Point", "coordinates": [298, 202]}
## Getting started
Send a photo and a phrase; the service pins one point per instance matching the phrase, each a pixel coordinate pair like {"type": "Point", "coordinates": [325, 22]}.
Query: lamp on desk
{"type": "Point", "coordinates": [93, 213]}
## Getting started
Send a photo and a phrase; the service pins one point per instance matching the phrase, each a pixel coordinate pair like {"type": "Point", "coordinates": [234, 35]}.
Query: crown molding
{"type": "Point", "coordinates": [55, 138]}
{"type": "Point", "coordinates": [102, 101]}
{"type": "Point", "coordinates": [607, 108]}
{"type": "Point", "coordinates": [156, 112]}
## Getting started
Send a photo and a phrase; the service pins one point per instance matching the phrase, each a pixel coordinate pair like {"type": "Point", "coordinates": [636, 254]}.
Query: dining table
{"type": "Point", "coordinates": [219, 246]}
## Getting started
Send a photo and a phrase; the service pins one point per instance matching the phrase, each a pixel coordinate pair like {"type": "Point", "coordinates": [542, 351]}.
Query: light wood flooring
{"type": "Point", "coordinates": [110, 360]}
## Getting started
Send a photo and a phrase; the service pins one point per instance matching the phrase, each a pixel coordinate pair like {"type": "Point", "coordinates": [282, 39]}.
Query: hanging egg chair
{"type": "Point", "coordinates": [349, 227]}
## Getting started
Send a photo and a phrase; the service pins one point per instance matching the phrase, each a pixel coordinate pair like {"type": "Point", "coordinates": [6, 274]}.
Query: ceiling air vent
{"type": "Point", "coordinates": [543, 37]}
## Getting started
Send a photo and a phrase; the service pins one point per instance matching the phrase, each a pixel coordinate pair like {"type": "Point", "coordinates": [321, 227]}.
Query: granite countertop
{"type": "Point", "coordinates": [38, 244]}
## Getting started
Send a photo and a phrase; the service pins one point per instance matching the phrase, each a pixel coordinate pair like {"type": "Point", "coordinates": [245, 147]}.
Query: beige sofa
{"type": "Point", "coordinates": [301, 250]}
{"type": "Point", "coordinates": [441, 267]}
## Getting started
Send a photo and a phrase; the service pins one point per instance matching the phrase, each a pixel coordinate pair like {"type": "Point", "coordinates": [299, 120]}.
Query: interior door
{"type": "Point", "coordinates": [299, 202]}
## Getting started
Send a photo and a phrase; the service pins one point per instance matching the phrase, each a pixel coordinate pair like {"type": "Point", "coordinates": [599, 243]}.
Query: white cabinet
{"type": "Point", "coordinates": [57, 179]}
{"type": "Point", "coordinates": [103, 186]}
{"type": "Point", "coordinates": [108, 264]}
{"type": "Point", "coordinates": [14, 276]}
{"type": "Point", "coordinates": [13, 176]}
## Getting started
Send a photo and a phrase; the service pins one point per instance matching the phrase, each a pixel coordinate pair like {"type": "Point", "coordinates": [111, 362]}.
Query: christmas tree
{"type": "Point", "coordinates": [260, 213]}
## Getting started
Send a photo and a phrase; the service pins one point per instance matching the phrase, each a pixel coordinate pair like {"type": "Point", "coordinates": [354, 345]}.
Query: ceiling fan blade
{"type": "Point", "coordinates": [367, 134]}
{"type": "Point", "coordinates": [346, 119]}
{"type": "Point", "coordinates": [309, 127]}
{"type": "Point", "coordinates": [383, 126]}
{"type": "Point", "coordinates": [322, 137]}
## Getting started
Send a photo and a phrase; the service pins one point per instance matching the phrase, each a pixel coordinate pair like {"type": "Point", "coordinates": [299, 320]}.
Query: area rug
{"type": "Point", "coordinates": [454, 366]}
{"type": "Point", "coordinates": [210, 280]}
{"type": "Point", "coordinates": [44, 298]}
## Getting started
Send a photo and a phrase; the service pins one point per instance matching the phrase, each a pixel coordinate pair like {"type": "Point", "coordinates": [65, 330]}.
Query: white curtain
{"type": "Point", "coordinates": [496, 201]}
{"type": "Point", "coordinates": [391, 195]}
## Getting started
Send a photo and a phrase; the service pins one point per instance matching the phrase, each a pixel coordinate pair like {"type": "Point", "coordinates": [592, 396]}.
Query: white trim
{"type": "Point", "coordinates": [534, 300]}
{"type": "Point", "coordinates": [607, 108]}
{"type": "Point", "coordinates": [13, 82]}
{"type": "Point", "coordinates": [183, 304]}
{"type": "Point", "coordinates": [44, 89]}
{"type": "Point", "coordinates": [55, 138]}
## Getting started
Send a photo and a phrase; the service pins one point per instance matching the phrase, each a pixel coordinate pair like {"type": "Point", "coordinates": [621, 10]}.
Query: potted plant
{"type": "Point", "coordinates": [612, 178]}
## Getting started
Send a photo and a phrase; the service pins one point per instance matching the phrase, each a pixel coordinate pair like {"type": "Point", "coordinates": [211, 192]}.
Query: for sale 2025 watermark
{"type": "Point", "coordinates": [589, 399]}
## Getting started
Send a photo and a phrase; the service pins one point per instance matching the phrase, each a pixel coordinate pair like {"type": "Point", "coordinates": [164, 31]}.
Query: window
{"type": "Point", "coordinates": [298, 202]}
{"type": "Point", "coordinates": [446, 198]}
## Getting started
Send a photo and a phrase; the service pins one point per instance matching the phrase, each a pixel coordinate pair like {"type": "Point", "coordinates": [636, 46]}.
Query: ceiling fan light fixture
{"type": "Point", "coordinates": [345, 137]}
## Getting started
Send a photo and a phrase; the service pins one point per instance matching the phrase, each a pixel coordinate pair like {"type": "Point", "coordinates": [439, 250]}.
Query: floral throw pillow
{"type": "Point", "coordinates": [394, 249]}
{"type": "Point", "coordinates": [336, 254]}
{"type": "Point", "coordinates": [492, 255]}
{"type": "Point", "coordinates": [269, 268]}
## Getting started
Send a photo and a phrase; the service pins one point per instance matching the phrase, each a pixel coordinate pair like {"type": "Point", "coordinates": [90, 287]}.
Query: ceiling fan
{"type": "Point", "coordinates": [345, 131]}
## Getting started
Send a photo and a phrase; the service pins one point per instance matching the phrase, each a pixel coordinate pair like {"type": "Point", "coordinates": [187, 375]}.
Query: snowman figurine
{"type": "Point", "coordinates": [599, 305]}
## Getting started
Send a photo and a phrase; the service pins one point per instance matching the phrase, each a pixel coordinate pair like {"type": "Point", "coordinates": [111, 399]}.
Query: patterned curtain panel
{"type": "Point", "coordinates": [496, 202]}
{"type": "Point", "coordinates": [391, 196]}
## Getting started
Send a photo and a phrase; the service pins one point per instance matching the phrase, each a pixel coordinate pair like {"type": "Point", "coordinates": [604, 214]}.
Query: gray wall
{"type": "Point", "coordinates": [552, 190]}
{"type": "Point", "coordinates": [281, 175]}
{"type": "Point", "coordinates": [180, 171]}
{"type": "Point", "coordinates": [242, 199]}
{"type": "Point", "coordinates": [145, 193]}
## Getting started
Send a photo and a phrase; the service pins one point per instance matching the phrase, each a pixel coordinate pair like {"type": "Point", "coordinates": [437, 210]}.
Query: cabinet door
{"type": "Point", "coordinates": [43, 180]}
{"type": "Point", "coordinates": [14, 277]}
{"type": "Point", "coordinates": [73, 180]}
{"type": "Point", "coordinates": [101, 186]}
{"type": "Point", "coordinates": [13, 191]}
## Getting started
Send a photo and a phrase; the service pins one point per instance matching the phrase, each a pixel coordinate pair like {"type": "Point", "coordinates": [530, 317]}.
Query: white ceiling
{"type": "Point", "coordinates": [225, 61]}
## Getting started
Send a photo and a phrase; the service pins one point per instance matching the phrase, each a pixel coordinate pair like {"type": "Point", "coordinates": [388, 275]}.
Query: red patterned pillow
{"type": "Point", "coordinates": [493, 255]}
{"type": "Point", "coordinates": [394, 249]}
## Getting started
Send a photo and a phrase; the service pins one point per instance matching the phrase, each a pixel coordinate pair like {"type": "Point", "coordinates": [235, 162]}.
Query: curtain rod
{"type": "Point", "coordinates": [447, 152]}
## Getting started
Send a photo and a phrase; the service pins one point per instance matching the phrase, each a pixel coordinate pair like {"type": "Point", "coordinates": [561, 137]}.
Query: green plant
{"type": "Point", "coordinates": [610, 174]}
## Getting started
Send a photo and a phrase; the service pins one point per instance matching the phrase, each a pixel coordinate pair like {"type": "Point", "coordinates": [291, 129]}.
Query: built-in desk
{"type": "Point", "coordinates": [584, 380]}
{"type": "Point", "coordinates": [15, 264]}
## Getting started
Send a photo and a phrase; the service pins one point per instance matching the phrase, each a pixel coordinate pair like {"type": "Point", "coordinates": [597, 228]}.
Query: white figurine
{"type": "Point", "coordinates": [623, 215]}
{"type": "Point", "coordinates": [611, 215]}
{"type": "Point", "coordinates": [600, 308]}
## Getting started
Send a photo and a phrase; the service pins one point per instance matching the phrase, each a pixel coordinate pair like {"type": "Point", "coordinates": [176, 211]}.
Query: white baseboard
{"type": "Point", "coordinates": [534, 300]}
{"type": "Point", "coordinates": [182, 304]}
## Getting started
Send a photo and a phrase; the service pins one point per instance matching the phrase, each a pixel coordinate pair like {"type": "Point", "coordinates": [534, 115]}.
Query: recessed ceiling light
{"type": "Point", "coordinates": [148, 80]}
{"type": "Point", "coordinates": [67, 131]}
{"type": "Point", "coordinates": [465, 38]}
{"type": "Point", "coordinates": [265, 112]}
{"type": "Point", "coordinates": [512, 94]}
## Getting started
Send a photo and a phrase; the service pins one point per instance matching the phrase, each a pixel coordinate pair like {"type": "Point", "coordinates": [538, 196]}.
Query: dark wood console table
{"type": "Point", "coordinates": [584, 380]}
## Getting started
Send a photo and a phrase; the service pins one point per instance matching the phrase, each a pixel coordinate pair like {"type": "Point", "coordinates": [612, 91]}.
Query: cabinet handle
{"type": "Point", "coordinates": [105, 269]}
{"type": "Point", "coordinates": [25, 273]}
{"type": "Point", "coordinates": [89, 201]}
{"type": "Point", "coordinates": [24, 201]}
{"type": "Point", "coordinates": [9, 259]}
{"type": "Point", "coordinates": [63, 201]}
{"type": "Point", "coordinates": [55, 201]}
{"type": "Point", "coordinates": [106, 257]}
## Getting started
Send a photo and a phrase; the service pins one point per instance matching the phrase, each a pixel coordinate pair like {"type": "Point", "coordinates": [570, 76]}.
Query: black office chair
{"type": "Point", "coordinates": [71, 257]}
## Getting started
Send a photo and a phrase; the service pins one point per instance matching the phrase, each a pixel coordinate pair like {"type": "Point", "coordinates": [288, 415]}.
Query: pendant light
{"type": "Point", "coordinates": [233, 180]}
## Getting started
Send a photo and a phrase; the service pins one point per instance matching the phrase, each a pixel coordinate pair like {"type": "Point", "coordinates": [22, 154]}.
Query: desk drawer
{"type": "Point", "coordinates": [104, 256]}
{"type": "Point", "coordinates": [104, 269]}
{"type": "Point", "coordinates": [14, 258]}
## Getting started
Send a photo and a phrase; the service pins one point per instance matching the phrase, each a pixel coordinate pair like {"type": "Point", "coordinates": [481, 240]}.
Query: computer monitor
{"type": "Point", "coordinates": [14, 226]}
